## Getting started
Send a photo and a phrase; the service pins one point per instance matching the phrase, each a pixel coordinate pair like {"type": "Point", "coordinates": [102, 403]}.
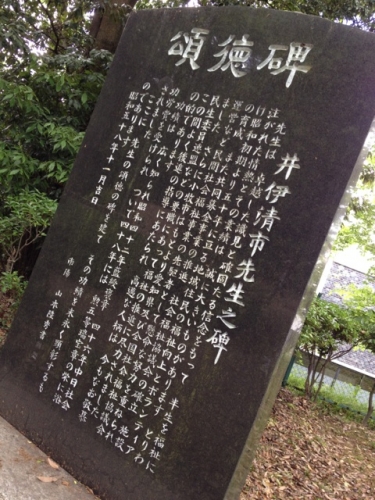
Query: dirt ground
{"type": "Point", "coordinates": [307, 453]}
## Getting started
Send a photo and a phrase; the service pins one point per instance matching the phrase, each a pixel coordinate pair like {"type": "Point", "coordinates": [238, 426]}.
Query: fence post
{"type": "Point", "coordinates": [335, 376]}
{"type": "Point", "coordinates": [288, 370]}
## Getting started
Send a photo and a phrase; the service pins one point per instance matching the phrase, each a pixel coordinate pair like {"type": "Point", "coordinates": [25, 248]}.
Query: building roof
{"type": "Point", "coordinates": [362, 360]}
{"type": "Point", "coordinates": [340, 277]}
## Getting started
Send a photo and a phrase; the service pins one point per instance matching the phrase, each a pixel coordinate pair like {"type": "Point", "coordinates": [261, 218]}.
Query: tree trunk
{"type": "Point", "coordinates": [322, 371]}
{"type": "Point", "coordinates": [108, 22]}
{"type": "Point", "coordinates": [370, 405]}
{"type": "Point", "coordinates": [310, 368]}
{"type": "Point", "coordinates": [321, 378]}
{"type": "Point", "coordinates": [312, 374]}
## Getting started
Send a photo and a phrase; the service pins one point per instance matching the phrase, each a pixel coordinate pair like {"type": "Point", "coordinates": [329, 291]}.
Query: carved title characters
{"type": "Point", "coordinates": [236, 54]}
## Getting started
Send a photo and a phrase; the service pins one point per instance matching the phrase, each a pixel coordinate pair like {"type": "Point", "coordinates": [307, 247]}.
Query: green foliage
{"type": "Point", "coordinates": [362, 300]}
{"type": "Point", "coordinates": [333, 400]}
{"type": "Point", "coordinates": [348, 399]}
{"type": "Point", "coordinates": [359, 223]}
{"type": "Point", "coordinates": [24, 220]}
{"type": "Point", "coordinates": [12, 287]}
{"type": "Point", "coordinates": [359, 13]}
{"type": "Point", "coordinates": [330, 406]}
{"type": "Point", "coordinates": [327, 328]}
{"type": "Point", "coordinates": [296, 381]}
{"type": "Point", "coordinates": [50, 79]}
{"type": "Point", "coordinates": [45, 111]}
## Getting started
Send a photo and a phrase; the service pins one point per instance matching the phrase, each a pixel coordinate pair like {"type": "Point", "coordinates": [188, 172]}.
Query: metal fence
{"type": "Point", "coordinates": [342, 384]}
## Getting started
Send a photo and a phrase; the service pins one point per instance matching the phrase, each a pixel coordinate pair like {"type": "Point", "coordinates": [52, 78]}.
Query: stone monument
{"type": "Point", "coordinates": [160, 317]}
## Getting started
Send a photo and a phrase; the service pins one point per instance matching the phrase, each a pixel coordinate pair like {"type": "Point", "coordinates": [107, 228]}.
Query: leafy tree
{"type": "Point", "coordinates": [363, 301]}
{"type": "Point", "coordinates": [359, 13]}
{"type": "Point", "coordinates": [359, 223]}
{"type": "Point", "coordinates": [26, 217]}
{"type": "Point", "coordinates": [49, 83]}
{"type": "Point", "coordinates": [329, 332]}
{"type": "Point", "coordinates": [50, 79]}
{"type": "Point", "coordinates": [12, 287]}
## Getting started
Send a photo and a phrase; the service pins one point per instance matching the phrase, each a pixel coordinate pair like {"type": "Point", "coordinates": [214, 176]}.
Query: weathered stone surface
{"type": "Point", "coordinates": [155, 329]}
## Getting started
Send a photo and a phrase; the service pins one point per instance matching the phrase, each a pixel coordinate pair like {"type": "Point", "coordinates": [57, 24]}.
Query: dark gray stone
{"type": "Point", "coordinates": [154, 333]}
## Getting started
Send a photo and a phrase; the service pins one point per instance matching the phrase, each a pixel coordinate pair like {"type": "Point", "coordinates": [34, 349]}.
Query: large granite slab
{"type": "Point", "coordinates": [156, 328]}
